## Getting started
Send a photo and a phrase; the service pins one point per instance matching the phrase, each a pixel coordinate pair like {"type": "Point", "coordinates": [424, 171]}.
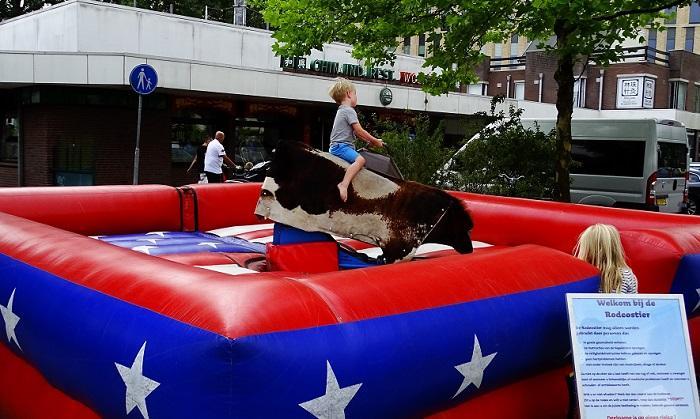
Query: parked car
{"type": "Point", "coordinates": [693, 191]}
{"type": "Point", "coordinates": [632, 163]}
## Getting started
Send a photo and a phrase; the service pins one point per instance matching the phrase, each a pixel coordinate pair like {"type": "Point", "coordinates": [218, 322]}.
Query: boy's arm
{"type": "Point", "coordinates": [362, 134]}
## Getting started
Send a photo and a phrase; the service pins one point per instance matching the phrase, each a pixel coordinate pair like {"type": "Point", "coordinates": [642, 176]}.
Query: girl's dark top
{"type": "Point", "coordinates": [199, 164]}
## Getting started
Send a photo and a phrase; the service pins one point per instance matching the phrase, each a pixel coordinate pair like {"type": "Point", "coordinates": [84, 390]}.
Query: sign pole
{"type": "Point", "coordinates": [138, 138]}
{"type": "Point", "coordinates": [143, 79]}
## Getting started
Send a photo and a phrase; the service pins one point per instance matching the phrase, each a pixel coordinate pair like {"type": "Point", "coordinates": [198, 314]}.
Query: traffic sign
{"type": "Point", "coordinates": [143, 79]}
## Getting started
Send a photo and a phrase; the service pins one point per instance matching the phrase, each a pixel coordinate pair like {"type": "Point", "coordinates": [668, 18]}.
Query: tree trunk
{"type": "Point", "coordinates": [564, 77]}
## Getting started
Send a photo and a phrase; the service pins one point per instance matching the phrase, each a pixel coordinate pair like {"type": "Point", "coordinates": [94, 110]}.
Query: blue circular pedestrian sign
{"type": "Point", "coordinates": [143, 79]}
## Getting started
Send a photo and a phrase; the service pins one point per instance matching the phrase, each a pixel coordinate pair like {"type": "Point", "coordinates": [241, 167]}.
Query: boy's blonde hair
{"type": "Point", "coordinates": [600, 246]}
{"type": "Point", "coordinates": [340, 89]}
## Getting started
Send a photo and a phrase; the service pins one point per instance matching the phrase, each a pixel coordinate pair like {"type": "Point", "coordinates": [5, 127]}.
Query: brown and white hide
{"type": "Point", "coordinates": [301, 191]}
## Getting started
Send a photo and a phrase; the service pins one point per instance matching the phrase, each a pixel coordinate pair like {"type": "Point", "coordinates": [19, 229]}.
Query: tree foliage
{"type": "Point", "coordinates": [419, 152]}
{"type": "Point", "coordinates": [506, 159]}
{"type": "Point", "coordinates": [583, 30]}
{"type": "Point", "coordinates": [14, 8]}
{"type": "Point", "coordinates": [218, 9]}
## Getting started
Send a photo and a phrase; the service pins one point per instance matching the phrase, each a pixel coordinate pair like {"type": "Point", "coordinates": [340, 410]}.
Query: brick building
{"type": "Point", "coordinates": [646, 84]}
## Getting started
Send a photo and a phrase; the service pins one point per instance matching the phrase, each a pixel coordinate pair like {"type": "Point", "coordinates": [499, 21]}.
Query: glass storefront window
{"type": "Point", "coordinates": [9, 140]}
{"type": "Point", "coordinates": [74, 162]}
{"type": "Point", "coordinates": [250, 144]}
{"type": "Point", "coordinates": [186, 136]}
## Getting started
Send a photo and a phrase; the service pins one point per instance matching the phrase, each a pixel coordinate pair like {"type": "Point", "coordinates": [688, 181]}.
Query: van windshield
{"type": "Point", "coordinates": [608, 157]}
{"type": "Point", "coordinates": [673, 159]}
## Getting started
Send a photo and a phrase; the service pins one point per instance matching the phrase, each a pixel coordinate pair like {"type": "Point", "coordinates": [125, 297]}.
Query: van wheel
{"type": "Point", "coordinates": [692, 207]}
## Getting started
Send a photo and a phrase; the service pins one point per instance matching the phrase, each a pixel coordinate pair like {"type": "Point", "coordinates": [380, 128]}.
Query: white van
{"type": "Point", "coordinates": [633, 163]}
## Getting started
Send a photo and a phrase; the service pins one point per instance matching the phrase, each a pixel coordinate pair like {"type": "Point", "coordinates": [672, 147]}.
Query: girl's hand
{"type": "Point", "coordinates": [379, 143]}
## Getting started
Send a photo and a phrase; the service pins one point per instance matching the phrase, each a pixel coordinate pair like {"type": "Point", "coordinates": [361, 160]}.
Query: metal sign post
{"type": "Point", "coordinates": [138, 138]}
{"type": "Point", "coordinates": [143, 80]}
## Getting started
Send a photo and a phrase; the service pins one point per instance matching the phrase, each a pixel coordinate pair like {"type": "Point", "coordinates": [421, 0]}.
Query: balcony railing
{"type": "Point", "coordinates": [629, 54]}
{"type": "Point", "coordinates": [513, 63]}
{"type": "Point", "coordinates": [642, 54]}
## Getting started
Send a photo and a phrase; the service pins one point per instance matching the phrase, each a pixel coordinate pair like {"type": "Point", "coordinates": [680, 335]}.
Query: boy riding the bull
{"type": "Point", "coordinates": [346, 127]}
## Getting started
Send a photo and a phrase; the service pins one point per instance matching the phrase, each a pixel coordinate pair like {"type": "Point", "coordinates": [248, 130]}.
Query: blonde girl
{"type": "Point", "coordinates": [600, 246]}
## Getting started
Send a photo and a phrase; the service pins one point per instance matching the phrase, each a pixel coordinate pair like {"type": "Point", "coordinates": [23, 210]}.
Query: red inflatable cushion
{"type": "Point", "coordinates": [313, 257]}
{"type": "Point", "coordinates": [97, 210]}
{"type": "Point", "coordinates": [28, 395]}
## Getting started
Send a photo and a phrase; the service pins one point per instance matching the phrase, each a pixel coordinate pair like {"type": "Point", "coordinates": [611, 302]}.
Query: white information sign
{"type": "Point", "coordinates": [649, 88]}
{"type": "Point", "coordinates": [635, 92]}
{"type": "Point", "coordinates": [632, 356]}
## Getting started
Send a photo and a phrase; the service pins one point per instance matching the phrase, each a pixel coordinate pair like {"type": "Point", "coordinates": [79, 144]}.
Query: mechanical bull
{"type": "Point", "coordinates": [398, 216]}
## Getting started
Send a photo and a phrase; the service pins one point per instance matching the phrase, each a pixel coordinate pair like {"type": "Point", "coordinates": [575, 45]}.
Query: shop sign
{"type": "Point", "coordinates": [635, 92]}
{"type": "Point", "coordinates": [334, 68]}
{"type": "Point", "coordinates": [385, 96]}
{"type": "Point", "coordinates": [406, 77]}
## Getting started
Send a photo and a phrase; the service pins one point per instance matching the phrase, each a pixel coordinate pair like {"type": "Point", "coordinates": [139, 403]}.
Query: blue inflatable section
{"type": "Point", "coordinates": [687, 282]}
{"type": "Point", "coordinates": [284, 234]}
{"type": "Point", "coordinates": [394, 366]}
{"type": "Point", "coordinates": [166, 242]}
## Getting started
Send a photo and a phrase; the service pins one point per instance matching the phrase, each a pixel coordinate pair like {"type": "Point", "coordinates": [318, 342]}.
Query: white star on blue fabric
{"type": "Point", "coordinates": [473, 371]}
{"type": "Point", "coordinates": [138, 386]}
{"type": "Point", "coordinates": [333, 403]}
{"type": "Point", "coordinates": [698, 304]}
{"type": "Point", "coordinates": [157, 233]}
{"type": "Point", "coordinates": [144, 249]}
{"type": "Point", "coordinates": [210, 244]}
{"type": "Point", "coordinates": [10, 319]}
{"type": "Point", "coordinates": [152, 241]}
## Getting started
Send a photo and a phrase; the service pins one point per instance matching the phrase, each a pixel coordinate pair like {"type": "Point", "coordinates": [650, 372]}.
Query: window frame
{"type": "Point", "coordinates": [670, 47]}
{"type": "Point", "coordinates": [580, 94]}
{"type": "Point", "coordinates": [406, 45]}
{"type": "Point", "coordinates": [6, 134]}
{"type": "Point", "coordinates": [694, 13]}
{"type": "Point", "coordinates": [674, 89]}
{"type": "Point", "coordinates": [516, 84]}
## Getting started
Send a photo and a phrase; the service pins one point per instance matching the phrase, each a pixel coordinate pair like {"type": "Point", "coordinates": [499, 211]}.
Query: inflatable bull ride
{"type": "Point", "coordinates": [397, 216]}
{"type": "Point", "coordinates": [161, 302]}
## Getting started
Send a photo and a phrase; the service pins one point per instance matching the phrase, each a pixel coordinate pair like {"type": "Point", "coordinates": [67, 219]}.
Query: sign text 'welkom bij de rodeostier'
{"type": "Point", "coordinates": [632, 356]}
{"type": "Point", "coordinates": [335, 69]}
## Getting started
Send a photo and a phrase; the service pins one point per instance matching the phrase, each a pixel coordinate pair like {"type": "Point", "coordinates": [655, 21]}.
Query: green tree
{"type": "Point", "coordinates": [194, 8]}
{"type": "Point", "coordinates": [505, 159]}
{"type": "Point", "coordinates": [14, 8]}
{"type": "Point", "coordinates": [419, 152]}
{"type": "Point", "coordinates": [582, 30]}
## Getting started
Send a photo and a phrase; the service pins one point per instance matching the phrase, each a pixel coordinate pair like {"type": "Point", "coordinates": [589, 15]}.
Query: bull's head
{"type": "Point", "coordinates": [453, 228]}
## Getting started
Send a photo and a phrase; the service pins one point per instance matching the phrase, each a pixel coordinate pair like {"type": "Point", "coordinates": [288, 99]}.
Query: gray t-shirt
{"type": "Point", "coordinates": [342, 125]}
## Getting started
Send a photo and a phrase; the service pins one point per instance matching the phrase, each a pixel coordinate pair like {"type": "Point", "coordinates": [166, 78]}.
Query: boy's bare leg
{"type": "Point", "coordinates": [350, 174]}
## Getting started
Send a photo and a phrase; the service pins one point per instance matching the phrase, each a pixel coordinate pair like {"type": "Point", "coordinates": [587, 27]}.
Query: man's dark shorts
{"type": "Point", "coordinates": [214, 177]}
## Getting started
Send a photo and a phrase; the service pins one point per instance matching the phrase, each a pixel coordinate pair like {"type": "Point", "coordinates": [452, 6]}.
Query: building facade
{"type": "Point", "coordinates": [69, 115]}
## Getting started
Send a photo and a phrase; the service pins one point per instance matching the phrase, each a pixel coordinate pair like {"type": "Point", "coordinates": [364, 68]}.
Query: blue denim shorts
{"type": "Point", "coordinates": [344, 151]}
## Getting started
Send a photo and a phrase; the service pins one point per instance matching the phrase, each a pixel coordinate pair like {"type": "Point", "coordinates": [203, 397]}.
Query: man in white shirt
{"type": "Point", "coordinates": [214, 158]}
